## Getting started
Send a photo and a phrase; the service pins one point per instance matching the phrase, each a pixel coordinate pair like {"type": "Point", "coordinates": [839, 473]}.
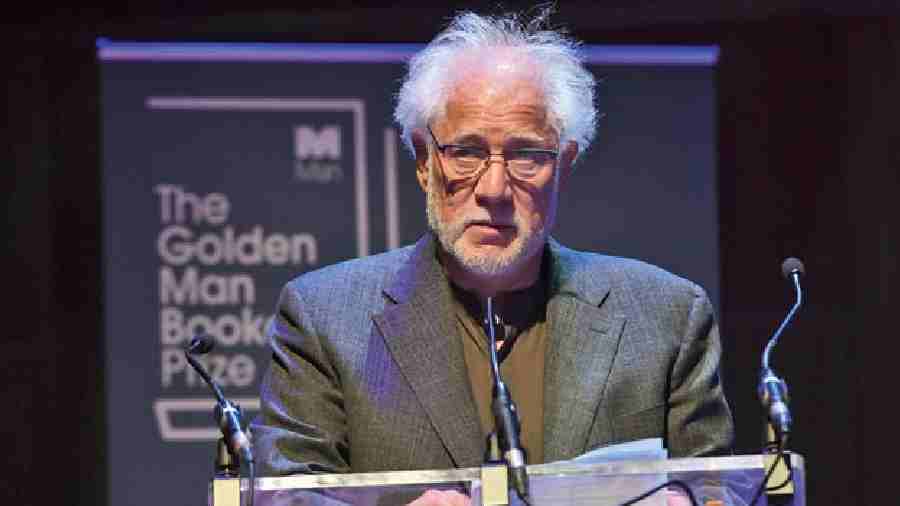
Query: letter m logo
{"type": "Point", "coordinates": [325, 143]}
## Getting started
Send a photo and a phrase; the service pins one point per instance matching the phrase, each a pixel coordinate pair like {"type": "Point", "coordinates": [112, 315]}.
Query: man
{"type": "Point", "coordinates": [380, 364]}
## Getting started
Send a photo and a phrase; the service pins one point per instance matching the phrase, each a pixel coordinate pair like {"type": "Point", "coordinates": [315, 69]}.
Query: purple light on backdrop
{"type": "Point", "coordinates": [375, 53]}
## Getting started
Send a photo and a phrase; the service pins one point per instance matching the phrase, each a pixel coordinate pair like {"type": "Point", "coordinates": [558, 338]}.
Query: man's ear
{"type": "Point", "coordinates": [567, 161]}
{"type": "Point", "coordinates": [420, 146]}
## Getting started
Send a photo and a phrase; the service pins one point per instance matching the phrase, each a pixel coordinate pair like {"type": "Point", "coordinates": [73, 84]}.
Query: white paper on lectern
{"type": "Point", "coordinates": [642, 449]}
{"type": "Point", "coordinates": [597, 490]}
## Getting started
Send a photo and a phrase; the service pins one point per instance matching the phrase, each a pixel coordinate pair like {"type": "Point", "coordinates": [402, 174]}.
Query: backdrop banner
{"type": "Point", "coordinates": [230, 169]}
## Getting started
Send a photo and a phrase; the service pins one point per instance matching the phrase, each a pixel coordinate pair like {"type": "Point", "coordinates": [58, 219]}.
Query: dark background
{"type": "Point", "coordinates": [809, 107]}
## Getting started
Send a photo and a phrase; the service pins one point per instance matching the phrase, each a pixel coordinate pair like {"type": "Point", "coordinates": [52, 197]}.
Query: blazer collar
{"type": "Point", "coordinates": [583, 330]}
{"type": "Point", "coordinates": [570, 278]}
{"type": "Point", "coordinates": [419, 274]}
{"type": "Point", "coordinates": [422, 335]}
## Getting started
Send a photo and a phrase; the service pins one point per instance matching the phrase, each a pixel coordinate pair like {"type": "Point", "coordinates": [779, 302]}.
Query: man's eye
{"type": "Point", "coordinates": [532, 157]}
{"type": "Point", "coordinates": [467, 152]}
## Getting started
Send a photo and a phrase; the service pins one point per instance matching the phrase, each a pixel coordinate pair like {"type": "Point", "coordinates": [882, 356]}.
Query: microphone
{"type": "Point", "coordinates": [792, 266]}
{"type": "Point", "coordinates": [227, 413]}
{"type": "Point", "coordinates": [772, 390]}
{"type": "Point", "coordinates": [506, 417]}
{"type": "Point", "coordinates": [201, 344]}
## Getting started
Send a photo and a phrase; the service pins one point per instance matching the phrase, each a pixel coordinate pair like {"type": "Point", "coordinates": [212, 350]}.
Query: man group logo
{"type": "Point", "coordinates": [317, 154]}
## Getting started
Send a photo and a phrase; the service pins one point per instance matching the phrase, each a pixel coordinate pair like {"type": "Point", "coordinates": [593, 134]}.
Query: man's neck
{"type": "Point", "coordinates": [492, 286]}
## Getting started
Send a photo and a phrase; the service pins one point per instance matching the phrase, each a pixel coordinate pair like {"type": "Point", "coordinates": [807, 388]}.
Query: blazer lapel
{"type": "Point", "coordinates": [422, 336]}
{"type": "Point", "coordinates": [583, 338]}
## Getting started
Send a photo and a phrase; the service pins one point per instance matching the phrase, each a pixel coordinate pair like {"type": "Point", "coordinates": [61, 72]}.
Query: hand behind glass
{"type": "Point", "coordinates": [441, 498]}
{"type": "Point", "coordinates": [676, 498]}
{"type": "Point", "coordinates": [454, 498]}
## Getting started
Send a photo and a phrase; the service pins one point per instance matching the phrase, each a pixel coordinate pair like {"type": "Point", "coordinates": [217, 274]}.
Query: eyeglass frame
{"type": "Point", "coordinates": [485, 162]}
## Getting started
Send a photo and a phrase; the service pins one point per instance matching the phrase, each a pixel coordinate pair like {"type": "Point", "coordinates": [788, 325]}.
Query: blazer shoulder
{"type": "Point", "coordinates": [642, 275]}
{"type": "Point", "coordinates": [624, 275]}
{"type": "Point", "coordinates": [339, 299]}
{"type": "Point", "coordinates": [371, 273]}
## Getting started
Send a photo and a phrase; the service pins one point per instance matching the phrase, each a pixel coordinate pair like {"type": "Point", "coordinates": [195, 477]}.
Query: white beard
{"type": "Point", "coordinates": [527, 242]}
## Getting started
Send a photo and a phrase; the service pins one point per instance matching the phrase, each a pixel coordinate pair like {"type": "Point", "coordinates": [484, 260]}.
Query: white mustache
{"type": "Point", "coordinates": [487, 221]}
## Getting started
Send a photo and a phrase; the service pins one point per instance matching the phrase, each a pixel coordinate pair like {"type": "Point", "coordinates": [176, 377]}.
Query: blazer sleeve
{"type": "Point", "coordinates": [302, 426]}
{"type": "Point", "coordinates": [699, 422]}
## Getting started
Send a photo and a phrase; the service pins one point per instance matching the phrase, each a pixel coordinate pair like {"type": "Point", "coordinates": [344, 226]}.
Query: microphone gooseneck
{"type": "Point", "coordinates": [773, 391]}
{"type": "Point", "coordinates": [791, 269]}
{"type": "Point", "coordinates": [491, 329]}
{"type": "Point", "coordinates": [201, 345]}
{"type": "Point", "coordinates": [227, 413]}
{"type": "Point", "coordinates": [506, 418]}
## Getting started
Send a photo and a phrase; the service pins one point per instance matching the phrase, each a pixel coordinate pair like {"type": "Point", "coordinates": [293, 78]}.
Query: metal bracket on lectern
{"type": "Point", "coordinates": [494, 485]}
{"type": "Point", "coordinates": [780, 486]}
{"type": "Point", "coordinates": [226, 492]}
{"type": "Point", "coordinates": [781, 483]}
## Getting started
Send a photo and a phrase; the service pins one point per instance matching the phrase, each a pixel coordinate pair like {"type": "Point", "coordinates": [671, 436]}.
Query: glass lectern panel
{"type": "Point", "coordinates": [720, 481]}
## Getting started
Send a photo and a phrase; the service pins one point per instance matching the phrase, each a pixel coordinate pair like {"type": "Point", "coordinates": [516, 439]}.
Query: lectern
{"type": "Point", "coordinates": [715, 481]}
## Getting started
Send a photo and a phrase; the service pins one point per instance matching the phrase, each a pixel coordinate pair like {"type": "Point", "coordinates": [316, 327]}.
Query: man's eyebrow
{"type": "Point", "coordinates": [470, 139]}
{"type": "Point", "coordinates": [526, 140]}
{"type": "Point", "coordinates": [522, 139]}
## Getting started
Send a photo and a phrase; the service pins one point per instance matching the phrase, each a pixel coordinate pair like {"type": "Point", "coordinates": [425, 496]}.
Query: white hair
{"type": "Point", "coordinates": [567, 85]}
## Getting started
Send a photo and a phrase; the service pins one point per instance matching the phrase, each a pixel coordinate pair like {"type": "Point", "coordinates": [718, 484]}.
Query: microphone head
{"type": "Point", "coordinates": [790, 266]}
{"type": "Point", "coordinates": [201, 344]}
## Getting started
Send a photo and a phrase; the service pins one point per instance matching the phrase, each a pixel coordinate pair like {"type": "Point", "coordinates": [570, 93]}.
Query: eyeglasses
{"type": "Point", "coordinates": [468, 162]}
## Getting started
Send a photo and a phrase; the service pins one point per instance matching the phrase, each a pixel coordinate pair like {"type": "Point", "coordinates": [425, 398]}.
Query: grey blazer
{"type": "Point", "coordinates": [368, 372]}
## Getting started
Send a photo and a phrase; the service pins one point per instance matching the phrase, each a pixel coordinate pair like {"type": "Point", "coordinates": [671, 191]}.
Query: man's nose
{"type": "Point", "coordinates": [494, 183]}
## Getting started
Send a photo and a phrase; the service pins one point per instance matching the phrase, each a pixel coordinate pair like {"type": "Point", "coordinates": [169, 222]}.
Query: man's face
{"type": "Point", "coordinates": [498, 224]}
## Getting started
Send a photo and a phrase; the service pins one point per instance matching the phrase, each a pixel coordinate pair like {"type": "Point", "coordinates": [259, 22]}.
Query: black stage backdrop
{"type": "Point", "coordinates": [808, 162]}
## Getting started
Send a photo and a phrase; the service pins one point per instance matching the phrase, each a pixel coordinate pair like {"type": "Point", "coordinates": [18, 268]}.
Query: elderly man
{"type": "Point", "coordinates": [380, 363]}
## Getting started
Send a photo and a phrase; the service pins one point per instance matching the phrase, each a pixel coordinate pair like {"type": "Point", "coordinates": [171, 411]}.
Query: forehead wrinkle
{"type": "Point", "coordinates": [491, 106]}
{"type": "Point", "coordinates": [499, 92]}
{"type": "Point", "coordinates": [476, 138]}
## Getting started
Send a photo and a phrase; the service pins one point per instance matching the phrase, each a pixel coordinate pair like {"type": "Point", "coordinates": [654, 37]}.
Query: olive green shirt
{"type": "Point", "coordinates": [521, 355]}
